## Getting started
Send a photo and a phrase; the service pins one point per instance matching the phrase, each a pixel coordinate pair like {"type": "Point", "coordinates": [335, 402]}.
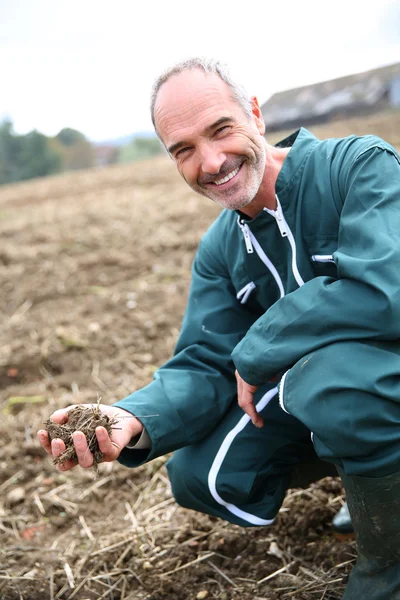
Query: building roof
{"type": "Point", "coordinates": [361, 90]}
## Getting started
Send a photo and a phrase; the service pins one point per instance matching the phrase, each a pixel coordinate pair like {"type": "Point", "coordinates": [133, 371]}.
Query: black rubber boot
{"type": "Point", "coordinates": [374, 505]}
{"type": "Point", "coordinates": [341, 522]}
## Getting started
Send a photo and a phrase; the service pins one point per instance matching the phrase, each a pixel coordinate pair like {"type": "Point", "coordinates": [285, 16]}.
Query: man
{"type": "Point", "coordinates": [295, 286]}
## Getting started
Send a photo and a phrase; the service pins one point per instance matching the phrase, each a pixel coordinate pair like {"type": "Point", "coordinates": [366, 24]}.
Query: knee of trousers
{"type": "Point", "coordinates": [197, 485]}
{"type": "Point", "coordinates": [348, 395]}
{"type": "Point", "coordinates": [188, 480]}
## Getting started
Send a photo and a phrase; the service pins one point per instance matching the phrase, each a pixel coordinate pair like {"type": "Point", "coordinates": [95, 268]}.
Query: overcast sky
{"type": "Point", "coordinates": [90, 64]}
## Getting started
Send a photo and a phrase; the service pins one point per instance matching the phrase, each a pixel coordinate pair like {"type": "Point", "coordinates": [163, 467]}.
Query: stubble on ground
{"type": "Point", "coordinates": [94, 274]}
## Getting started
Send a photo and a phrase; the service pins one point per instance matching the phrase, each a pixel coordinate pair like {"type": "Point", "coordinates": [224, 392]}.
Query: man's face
{"type": "Point", "coordinates": [218, 149]}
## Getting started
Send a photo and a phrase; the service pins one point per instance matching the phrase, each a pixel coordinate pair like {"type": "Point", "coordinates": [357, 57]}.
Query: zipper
{"type": "Point", "coordinates": [251, 245]}
{"type": "Point", "coordinates": [245, 292]}
{"type": "Point", "coordinates": [267, 263]}
{"type": "Point", "coordinates": [280, 219]}
{"type": "Point", "coordinates": [323, 258]}
{"type": "Point", "coordinates": [286, 232]}
{"type": "Point", "coordinates": [246, 234]}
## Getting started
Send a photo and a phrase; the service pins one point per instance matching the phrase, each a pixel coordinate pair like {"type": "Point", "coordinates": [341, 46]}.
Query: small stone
{"type": "Point", "coordinates": [202, 595]}
{"type": "Point", "coordinates": [147, 565]}
{"type": "Point", "coordinates": [16, 495]}
{"type": "Point", "coordinates": [274, 550]}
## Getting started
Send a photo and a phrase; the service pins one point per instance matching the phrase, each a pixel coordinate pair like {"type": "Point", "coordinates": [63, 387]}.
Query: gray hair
{"type": "Point", "coordinates": [206, 65]}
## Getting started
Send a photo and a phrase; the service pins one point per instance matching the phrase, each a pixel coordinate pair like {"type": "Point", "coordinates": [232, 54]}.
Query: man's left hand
{"type": "Point", "coordinates": [246, 400]}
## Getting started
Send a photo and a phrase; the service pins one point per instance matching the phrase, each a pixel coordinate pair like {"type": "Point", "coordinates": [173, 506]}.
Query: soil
{"type": "Point", "coordinates": [94, 273]}
{"type": "Point", "coordinates": [84, 419]}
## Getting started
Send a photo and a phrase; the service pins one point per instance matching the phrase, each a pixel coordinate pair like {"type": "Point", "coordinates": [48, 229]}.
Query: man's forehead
{"type": "Point", "coordinates": [190, 95]}
{"type": "Point", "coordinates": [190, 87]}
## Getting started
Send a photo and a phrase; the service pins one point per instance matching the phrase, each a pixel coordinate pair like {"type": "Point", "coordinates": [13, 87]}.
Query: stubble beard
{"type": "Point", "coordinates": [231, 199]}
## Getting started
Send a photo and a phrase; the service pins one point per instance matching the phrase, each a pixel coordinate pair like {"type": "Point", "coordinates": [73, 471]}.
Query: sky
{"type": "Point", "coordinates": [90, 64]}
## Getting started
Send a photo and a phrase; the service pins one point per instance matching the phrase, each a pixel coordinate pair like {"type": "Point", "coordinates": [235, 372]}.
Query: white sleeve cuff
{"type": "Point", "coordinates": [141, 441]}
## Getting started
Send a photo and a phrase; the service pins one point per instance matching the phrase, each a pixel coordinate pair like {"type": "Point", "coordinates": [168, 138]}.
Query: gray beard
{"type": "Point", "coordinates": [249, 194]}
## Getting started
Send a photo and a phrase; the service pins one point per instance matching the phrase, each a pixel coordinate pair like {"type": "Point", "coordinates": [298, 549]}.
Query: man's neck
{"type": "Point", "coordinates": [265, 198]}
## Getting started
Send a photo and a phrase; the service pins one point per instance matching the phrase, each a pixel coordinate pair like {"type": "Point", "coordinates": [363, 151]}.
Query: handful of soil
{"type": "Point", "coordinates": [80, 418]}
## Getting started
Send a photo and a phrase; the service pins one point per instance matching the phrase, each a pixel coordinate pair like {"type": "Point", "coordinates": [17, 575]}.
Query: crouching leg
{"type": "Point", "coordinates": [348, 395]}
{"type": "Point", "coordinates": [240, 473]}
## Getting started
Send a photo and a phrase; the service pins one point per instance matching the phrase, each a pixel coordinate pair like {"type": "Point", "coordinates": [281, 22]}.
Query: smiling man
{"type": "Point", "coordinates": [218, 148]}
{"type": "Point", "coordinates": [293, 316]}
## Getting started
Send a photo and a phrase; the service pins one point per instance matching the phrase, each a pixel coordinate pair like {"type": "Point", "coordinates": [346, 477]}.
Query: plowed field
{"type": "Point", "coordinates": [94, 273]}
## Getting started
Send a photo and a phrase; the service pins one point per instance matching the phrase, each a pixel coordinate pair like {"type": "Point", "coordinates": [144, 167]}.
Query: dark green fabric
{"type": "Point", "coordinates": [374, 505]}
{"type": "Point", "coordinates": [348, 394]}
{"type": "Point", "coordinates": [360, 182]}
{"type": "Point", "coordinates": [257, 469]}
{"type": "Point", "coordinates": [340, 197]}
{"type": "Point", "coordinates": [193, 390]}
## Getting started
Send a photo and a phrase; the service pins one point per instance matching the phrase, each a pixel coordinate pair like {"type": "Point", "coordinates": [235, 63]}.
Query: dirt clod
{"type": "Point", "coordinates": [80, 418]}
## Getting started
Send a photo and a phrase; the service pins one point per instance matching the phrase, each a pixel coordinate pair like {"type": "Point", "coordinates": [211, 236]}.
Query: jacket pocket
{"type": "Point", "coordinates": [244, 293]}
{"type": "Point", "coordinates": [324, 265]}
{"type": "Point", "coordinates": [321, 254]}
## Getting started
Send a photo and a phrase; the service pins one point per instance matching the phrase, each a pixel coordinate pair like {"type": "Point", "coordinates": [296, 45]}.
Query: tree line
{"type": "Point", "coordinates": [35, 155]}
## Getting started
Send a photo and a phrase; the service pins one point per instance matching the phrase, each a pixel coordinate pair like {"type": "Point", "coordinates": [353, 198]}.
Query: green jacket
{"type": "Point", "coordinates": [324, 267]}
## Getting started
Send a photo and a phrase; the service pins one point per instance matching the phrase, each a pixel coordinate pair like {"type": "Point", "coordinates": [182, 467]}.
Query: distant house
{"type": "Point", "coordinates": [362, 93]}
{"type": "Point", "coordinates": [105, 154]}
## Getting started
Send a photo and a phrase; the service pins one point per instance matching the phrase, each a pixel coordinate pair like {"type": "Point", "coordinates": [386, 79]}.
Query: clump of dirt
{"type": "Point", "coordinates": [85, 419]}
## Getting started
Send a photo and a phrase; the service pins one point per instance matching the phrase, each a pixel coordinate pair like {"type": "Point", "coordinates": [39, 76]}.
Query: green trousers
{"type": "Point", "coordinates": [339, 405]}
{"type": "Point", "coordinates": [240, 473]}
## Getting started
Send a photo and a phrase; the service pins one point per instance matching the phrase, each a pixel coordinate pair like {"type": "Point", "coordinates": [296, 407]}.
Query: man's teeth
{"type": "Point", "coordinates": [227, 177]}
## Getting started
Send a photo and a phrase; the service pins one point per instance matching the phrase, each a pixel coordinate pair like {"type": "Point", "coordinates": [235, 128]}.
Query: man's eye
{"type": "Point", "coordinates": [181, 151]}
{"type": "Point", "coordinates": [222, 128]}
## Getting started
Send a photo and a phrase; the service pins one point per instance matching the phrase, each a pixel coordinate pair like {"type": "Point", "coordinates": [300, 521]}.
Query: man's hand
{"type": "Point", "coordinates": [245, 393]}
{"type": "Point", "coordinates": [127, 427]}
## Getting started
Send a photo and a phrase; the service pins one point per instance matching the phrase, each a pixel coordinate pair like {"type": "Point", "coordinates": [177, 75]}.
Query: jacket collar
{"type": "Point", "coordinates": [301, 142]}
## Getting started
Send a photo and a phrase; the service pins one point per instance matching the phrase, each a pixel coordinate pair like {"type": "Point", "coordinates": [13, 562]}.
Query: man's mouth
{"type": "Point", "coordinates": [227, 177]}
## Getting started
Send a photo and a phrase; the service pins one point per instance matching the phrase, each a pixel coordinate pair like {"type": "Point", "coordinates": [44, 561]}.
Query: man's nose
{"type": "Point", "coordinates": [212, 160]}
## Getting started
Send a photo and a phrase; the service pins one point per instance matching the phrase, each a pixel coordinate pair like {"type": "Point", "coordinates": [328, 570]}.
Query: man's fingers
{"type": "Point", "coordinates": [60, 416]}
{"type": "Point", "coordinates": [111, 450]}
{"type": "Point", "coordinates": [246, 403]}
{"type": "Point", "coordinates": [250, 409]}
{"type": "Point", "coordinates": [258, 421]}
{"type": "Point", "coordinates": [245, 393]}
{"type": "Point", "coordinates": [57, 447]}
{"type": "Point", "coordinates": [66, 465]}
{"type": "Point", "coordinates": [44, 440]}
{"type": "Point", "coordinates": [255, 417]}
{"type": "Point", "coordinates": [85, 457]}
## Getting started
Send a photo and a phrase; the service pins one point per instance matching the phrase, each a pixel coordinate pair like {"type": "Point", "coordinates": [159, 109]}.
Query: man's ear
{"type": "Point", "coordinates": [258, 118]}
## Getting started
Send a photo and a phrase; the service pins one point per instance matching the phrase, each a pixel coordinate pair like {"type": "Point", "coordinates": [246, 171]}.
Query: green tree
{"type": "Point", "coordinates": [76, 150]}
{"type": "Point", "coordinates": [10, 149]}
{"type": "Point", "coordinates": [69, 137]}
{"type": "Point", "coordinates": [25, 156]}
{"type": "Point", "coordinates": [37, 158]}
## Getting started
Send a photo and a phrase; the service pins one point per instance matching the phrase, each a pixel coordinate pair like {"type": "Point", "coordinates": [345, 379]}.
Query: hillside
{"type": "Point", "coordinates": [385, 125]}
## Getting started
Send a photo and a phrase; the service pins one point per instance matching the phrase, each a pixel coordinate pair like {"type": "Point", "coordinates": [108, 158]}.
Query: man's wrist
{"type": "Point", "coordinates": [140, 441]}
{"type": "Point", "coordinates": [132, 425]}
